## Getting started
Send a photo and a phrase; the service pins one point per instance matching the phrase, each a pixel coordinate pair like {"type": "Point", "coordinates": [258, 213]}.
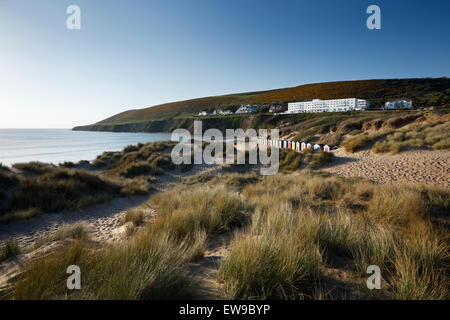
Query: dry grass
{"type": "Point", "coordinates": [76, 231]}
{"type": "Point", "coordinates": [135, 216]}
{"type": "Point", "coordinates": [143, 268]}
{"type": "Point", "coordinates": [284, 245]}
{"type": "Point", "coordinates": [331, 139]}
{"type": "Point", "coordinates": [7, 179]}
{"type": "Point", "coordinates": [58, 190]}
{"type": "Point", "coordinates": [289, 160]}
{"type": "Point", "coordinates": [322, 218]}
{"type": "Point", "coordinates": [431, 135]}
{"type": "Point", "coordinates": [137, 160]}
{"type": "Point", "coordinates": [34, 167]}
{"type": "Point", "coordinates": [359, 141]}
{"type": "Point", "coordinates": [9, 249]}
{"type": "Point", "coordinates": [321, 158]}
{"type": "Point", "coordinates": [212, 210]}
{"type": "Point", "coordinates": [276, 259]}
{"type": "Point", "coordinates": [149, 265]}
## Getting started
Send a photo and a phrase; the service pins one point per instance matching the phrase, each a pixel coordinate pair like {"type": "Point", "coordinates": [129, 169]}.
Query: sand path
{"type": "Point", "coordinates": [206, 269]}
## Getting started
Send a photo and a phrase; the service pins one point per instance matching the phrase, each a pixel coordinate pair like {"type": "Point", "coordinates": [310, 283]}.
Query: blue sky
{"type": "Point", "coordinates": [134, 54]}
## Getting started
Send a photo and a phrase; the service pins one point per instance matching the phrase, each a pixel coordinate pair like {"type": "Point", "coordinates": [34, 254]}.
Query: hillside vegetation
{"type": "Point", "coordinates": [166, 117]}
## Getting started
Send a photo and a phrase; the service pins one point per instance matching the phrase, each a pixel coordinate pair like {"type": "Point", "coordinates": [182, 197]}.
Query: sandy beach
{"type": "Point", "coordinates": [413, 166]}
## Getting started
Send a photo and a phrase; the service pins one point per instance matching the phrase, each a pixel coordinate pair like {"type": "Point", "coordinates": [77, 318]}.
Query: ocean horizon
{"type": "Point", "coordinates": [60, 145]}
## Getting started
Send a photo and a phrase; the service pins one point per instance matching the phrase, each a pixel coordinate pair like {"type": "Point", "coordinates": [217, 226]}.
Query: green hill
{"type": "Point", "coordinates": [165, 117]}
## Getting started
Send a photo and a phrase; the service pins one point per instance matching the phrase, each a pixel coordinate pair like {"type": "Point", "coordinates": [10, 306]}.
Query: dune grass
{"type": "Point", "coordinates": [289, 160]}
{"type": "Point", "coordinates": [136, 160]}
{"type": "Point", "coordinates": [143, 268]}
{"type": "Point", "coordinates": [285, 242]}
{"type": "Point", "coordinates": [35, 167]}
{"type": "Point", "coordinates": [135, 216]}
{"type": "Point", "coordinates": [359, 141]}
{"type": "Point", "coordinates": [277, 259]}
{"type": "Point", "coordinates": [55, 191]}
{"type": "Point", "coordinates": [432, 135]}
{"type": "Point", "coordinates": [395, 134]}
{"type": "Point", "coordinates": [331, 139]}
{"type": "Point", "coordinates": [212, 210]}
{"type": "Point", "coordinates": [321, 158]}
{"type": "Point", "coordinates": [76, 231]}
{"type": "Point", "coordinates": [7, 179]}
{"type": "Point", "coordinates": [60, 189]}
{"type": "Point", "coordinates": [9, 249]}
{"type": "Point", "coordinates": [149, 265]}
{"type": "Point", "coordinates": [311, 220]}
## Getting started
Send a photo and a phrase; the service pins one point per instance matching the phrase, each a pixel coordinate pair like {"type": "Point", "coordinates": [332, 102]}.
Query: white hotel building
{"type": "Point", "coordinates": [335, 105]}
{"type": "Point", "coordinates": [399, 104]}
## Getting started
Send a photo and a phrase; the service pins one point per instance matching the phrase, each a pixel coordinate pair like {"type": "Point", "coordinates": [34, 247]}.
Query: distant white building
{"type": "Point", "coordinates": [334, 105]}
{"type": "Point", "coordinates": [247, 109]}
{"type": "Point", "coordinates": [204, 113]}
{"type": "Point", "coordinates": [275, 109]}
{"type": "Point", "coordinates": [221, 112]}
{"type": "Point", "coordinates": [398, 104]}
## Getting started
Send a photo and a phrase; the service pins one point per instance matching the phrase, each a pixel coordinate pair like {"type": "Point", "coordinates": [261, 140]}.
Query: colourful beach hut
{"type": "Point", "coordinates": [326, 148]}
{"type": "Point", "coordinates": [303, 146]}
{"type": "Point", "coordinates": [297, 146]}
{"type": "Point", "coordinates": [308, 145]}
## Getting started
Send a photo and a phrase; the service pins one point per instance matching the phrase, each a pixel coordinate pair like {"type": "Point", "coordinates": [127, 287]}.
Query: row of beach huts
{"type": "Point", "coordinates": [296, 145]}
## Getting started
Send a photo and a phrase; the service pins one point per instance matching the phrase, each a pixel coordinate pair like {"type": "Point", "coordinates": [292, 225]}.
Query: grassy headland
{"type": "Point", "coordinates": [425, 92]}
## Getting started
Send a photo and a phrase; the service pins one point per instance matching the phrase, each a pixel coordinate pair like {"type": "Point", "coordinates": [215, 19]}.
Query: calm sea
{"type": "Point", "coordinates": [59, 145]}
